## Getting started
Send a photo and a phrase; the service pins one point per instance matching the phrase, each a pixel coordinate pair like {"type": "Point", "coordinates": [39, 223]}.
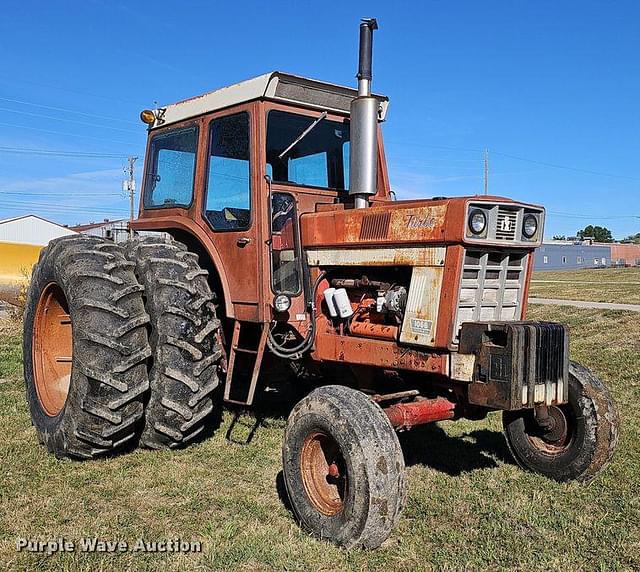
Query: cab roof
{"type": "Point", "coordinates": [276, 86]}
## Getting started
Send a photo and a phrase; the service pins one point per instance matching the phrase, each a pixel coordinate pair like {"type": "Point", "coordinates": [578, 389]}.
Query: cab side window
{"type": "Point", "coordinates": [170, 174]}
{"type": "Point", "coordinates": [228, 205]}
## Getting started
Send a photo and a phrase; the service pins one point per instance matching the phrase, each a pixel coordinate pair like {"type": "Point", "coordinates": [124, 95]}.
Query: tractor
{"type": "Point", "coordinates": [268, 240]}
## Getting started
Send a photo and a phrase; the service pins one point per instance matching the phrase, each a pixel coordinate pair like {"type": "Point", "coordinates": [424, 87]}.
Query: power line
{"type": "Point", "coordinates": [90, 155]}
{"type": "Point", "coordinates": [66, 110]}
{"type": "Point", "coordinates": [566, 167]}
{"type": "Point", "coordinates": [61, 209]}
{"type": "Point", "coordinates": [70, 90]}
{"type": "Point", "coordinates": [66, 134]}
{"type": "Point", "coordinates": [519, 158]}
{"type": "Point", "coordinates": [66, 120]}
{"type": "Point", "coordinates": [588, 216]}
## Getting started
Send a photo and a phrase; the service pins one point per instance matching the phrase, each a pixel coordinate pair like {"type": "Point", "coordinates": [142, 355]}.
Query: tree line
{"type": "Point", "coordinates": [599, 234]}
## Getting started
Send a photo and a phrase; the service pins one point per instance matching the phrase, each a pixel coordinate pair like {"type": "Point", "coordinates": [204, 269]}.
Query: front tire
{"type": "Point", "coordinates": [582, 438]}
{"type": "Point", "coordinates": [85, 348]}
{"type": "Point", "coordinates": [343, 467]}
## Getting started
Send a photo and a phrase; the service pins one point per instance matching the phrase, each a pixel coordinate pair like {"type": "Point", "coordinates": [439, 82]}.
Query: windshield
{"type": "Point", "coordinates": [319, 159]}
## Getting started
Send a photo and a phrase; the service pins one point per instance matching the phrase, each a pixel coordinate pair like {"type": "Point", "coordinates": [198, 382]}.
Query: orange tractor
{"type": "Point", "coordinates": [280, 247]}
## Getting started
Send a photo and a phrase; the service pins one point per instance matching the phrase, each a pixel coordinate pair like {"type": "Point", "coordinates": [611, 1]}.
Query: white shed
{"type": "Point", "coordinates": [31, 229]}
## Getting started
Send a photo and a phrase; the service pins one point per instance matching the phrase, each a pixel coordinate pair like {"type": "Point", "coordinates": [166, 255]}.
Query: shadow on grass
{"type": "Point", "coordinates": [283, 495]}
{"type": "Point", "coordinates": [429, 445]}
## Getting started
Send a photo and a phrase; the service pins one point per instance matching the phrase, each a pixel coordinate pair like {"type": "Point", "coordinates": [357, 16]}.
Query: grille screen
{"type": "Point", "coordinates": [507, 224]}
{"type": "Point", "coordinates": [491, 287]}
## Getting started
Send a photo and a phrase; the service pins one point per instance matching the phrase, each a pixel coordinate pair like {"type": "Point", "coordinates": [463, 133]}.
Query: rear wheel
{"type": "Point", "coordinates": [343, 467]}
{"type": "Point", "coordinates": [578, 438]}
{"type": "Point", "coordinates": [85, 348]}
{"type": "Point", "coordinates": [184, 341]}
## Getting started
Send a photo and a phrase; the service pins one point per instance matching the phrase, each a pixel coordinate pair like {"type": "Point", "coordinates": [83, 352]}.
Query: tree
{"type": "Point", "coordinates": [598, 233]}
{"type": "Point", "coordinates": [559, 237]}
{"type": "Point", "coordinates": [635, 238]}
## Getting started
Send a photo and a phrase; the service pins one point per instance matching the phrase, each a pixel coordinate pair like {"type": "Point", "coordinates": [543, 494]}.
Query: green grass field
{"type": "Point", "coordinates": [469, 506]}
{"type": "Point", "coordinates": [617, 285]}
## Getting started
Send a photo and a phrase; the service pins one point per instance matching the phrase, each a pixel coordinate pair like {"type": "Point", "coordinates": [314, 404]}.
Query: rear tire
{"type": "Point", "coordinates": [183, 339]}
{"type": "Point", "coordinates": [584, 436]}
{"type": "Point", "coordinates": [343, 467]}
{"type": "Point", "coordinates": [85, 348]}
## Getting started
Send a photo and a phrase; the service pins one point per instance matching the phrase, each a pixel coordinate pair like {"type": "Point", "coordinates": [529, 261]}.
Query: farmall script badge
{"type": "Point", "coordinates": [418, 222]}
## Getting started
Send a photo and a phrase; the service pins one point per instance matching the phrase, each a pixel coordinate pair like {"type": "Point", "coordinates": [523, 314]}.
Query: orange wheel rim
{"type": "Point", "coordinates": [52, 349]}
{"type": "Point", "coordinates": [324, 473]}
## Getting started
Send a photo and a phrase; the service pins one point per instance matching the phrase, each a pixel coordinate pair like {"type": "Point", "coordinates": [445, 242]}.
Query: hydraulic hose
{"type": "Point", "coordinates": [297, 351]}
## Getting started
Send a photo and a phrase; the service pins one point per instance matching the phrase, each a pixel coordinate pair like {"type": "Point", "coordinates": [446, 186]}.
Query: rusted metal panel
{"type": "Point", "coordinates": [405, 224]}
{"type": "Point", "coordinates": [421, 314]}
{"type": "Point", "coordinates": [449, 295]}
{"type": "Point", "coordinates": [407, 256]}
{"type": "Point", "coordinates": [378, 353]}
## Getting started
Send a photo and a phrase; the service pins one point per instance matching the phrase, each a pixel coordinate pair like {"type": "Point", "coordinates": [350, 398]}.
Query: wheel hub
{"type": "Point", "coordinates": [554, 435]}
{"type": "Point", "coordinates": [324, 473]}
{"type": "Point", "coordinates": [52, 349]}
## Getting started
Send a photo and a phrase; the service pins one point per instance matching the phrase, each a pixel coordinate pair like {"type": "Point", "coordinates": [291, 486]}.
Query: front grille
{"type": "Point", "coordinates": [507, 223]}
{"type": "Point", "coordinates": [491, 287]}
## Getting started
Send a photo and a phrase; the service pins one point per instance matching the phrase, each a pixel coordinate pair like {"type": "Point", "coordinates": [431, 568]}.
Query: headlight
{"type": "Point", "coordinates": [477, 221]}
{"type": "Point", "coordinates": [281, 303]}
{"type": "Point", "coordinates": [530, 225]}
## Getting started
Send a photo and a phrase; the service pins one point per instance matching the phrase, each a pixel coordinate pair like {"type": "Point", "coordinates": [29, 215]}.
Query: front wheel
{"type": "Point", "coordinates": [579, 438]}
{"type": "Point", "coordinates": [343, 467]}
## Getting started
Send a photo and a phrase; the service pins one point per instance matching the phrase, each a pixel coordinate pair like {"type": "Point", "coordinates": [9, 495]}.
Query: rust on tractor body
{"type": "Point", "coordinates": [433, 272]}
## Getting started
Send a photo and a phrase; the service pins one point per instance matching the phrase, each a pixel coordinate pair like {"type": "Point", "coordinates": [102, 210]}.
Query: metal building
{"type": "Point", "coordinates": [116, 230]}
{"type": "Point", "coordinates": [21, 240]}
{"type": "Point", "coordinates": [31, 229]}
{"type": "Point", "coordinates": [559, 255]}
{"type": "Point", "coordinates": [625, 254]}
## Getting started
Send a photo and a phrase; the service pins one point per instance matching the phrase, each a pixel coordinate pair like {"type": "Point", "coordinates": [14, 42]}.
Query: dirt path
{"type": "Point", "coordinates": [585, 304]}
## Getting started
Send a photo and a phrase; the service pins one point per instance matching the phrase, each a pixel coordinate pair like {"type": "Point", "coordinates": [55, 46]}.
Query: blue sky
{"type": "Point", "coordinates": [555, 83]}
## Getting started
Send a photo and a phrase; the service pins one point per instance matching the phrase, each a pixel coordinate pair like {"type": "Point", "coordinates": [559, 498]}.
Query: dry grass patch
{"type": "Point", "coordinates": [469, 506]}
{"type": "Point", "coordinates": [616, 285]}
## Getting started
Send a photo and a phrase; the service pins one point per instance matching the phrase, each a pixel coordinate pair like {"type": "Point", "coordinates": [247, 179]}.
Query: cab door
{"type": "Point", "coordinates": [230, 207]}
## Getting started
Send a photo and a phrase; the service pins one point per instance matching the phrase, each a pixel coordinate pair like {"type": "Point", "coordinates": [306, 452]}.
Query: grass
{"type": "Point", "coordinates": [617, 285]}
{"type": "Point", "coordinates": [469, 506]}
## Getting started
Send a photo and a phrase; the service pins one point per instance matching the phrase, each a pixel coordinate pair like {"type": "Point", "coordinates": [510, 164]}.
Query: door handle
{"type": "Point", "coordinates": [243, 241]}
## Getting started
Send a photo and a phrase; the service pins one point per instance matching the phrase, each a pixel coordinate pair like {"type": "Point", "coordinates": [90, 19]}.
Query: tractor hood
{"type": "Point", "coordinates": [441, 221]}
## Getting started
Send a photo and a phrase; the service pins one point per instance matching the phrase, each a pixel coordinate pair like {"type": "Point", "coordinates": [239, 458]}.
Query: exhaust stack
{"type": "Point", "coordinates": [363, 159]}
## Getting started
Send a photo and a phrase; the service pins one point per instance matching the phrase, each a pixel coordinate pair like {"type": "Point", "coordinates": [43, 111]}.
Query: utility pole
{"type": "Point", "coordinates": [486, 171]}
{"type": "Point", "coordinates": [129, 186]}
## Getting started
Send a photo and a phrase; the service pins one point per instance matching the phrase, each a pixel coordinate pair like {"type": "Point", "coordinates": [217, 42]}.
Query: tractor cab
{"type": "Point", "coordinates": [234, 170]}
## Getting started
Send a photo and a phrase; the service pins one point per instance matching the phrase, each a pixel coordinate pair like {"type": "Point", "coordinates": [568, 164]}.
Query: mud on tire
{"type": "Point", "coordinates": [343, 467]}
{"type": "Point", "coordinates": [183, 339]}
{"type": "Point", "coordinates": [85, 347]}
{"type": "Point", "coordinates": [587, 445]}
